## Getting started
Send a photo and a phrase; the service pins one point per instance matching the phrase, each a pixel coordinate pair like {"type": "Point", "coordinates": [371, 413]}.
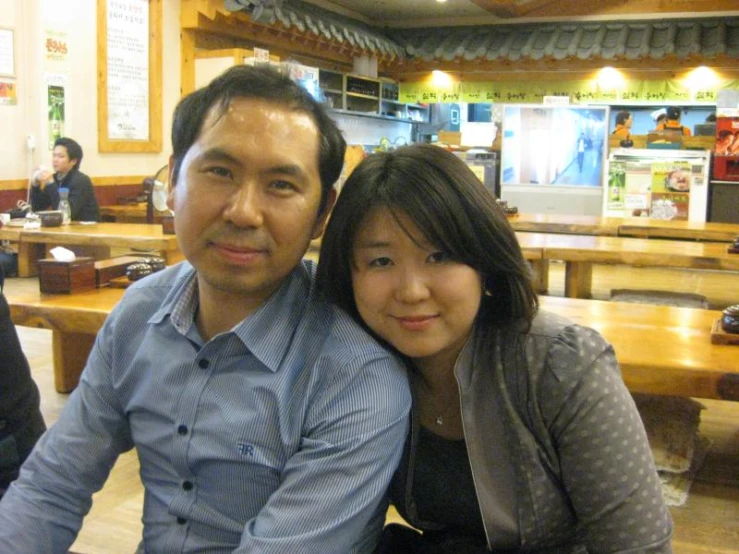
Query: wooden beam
{"type": "Point", "coordinates": [509, 9]}
{"type": "Point", "coordinates": [500, 8]}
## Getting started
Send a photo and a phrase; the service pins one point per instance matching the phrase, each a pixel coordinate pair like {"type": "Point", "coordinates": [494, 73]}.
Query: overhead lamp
{"type": "Point", "coordinates": [701, 77]}
{"type": "Point", "coordinates": [441, 78]}
{"type": "Point", "coordinates": [610, 78]}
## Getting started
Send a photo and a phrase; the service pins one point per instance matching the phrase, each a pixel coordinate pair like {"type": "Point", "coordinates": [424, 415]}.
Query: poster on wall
{"type": "Point", "coordinates": [128, 69]}
{"type": "Point", "coordinates": [55, 95]}
{"type": "Point", "coordinates": [8, 94]}
{"type": "Point", "coordinates": [7, 53]}
{"type": "Point", "coordinates": [671, 182]}
{"type": "Point", "coordinates": [616, 186]}
{"type": "Point", "coordinates": [56, 48]}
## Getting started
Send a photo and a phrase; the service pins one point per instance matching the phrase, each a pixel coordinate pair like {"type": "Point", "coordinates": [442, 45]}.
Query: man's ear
{"type": "Point", "coordinates": [323, 216]}
{"type": "Point", "coordinates": [170, 194]}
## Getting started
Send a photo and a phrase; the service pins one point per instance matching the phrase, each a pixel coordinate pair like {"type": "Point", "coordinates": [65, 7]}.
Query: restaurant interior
{"type": "Point", "coordinates": [527, 92]}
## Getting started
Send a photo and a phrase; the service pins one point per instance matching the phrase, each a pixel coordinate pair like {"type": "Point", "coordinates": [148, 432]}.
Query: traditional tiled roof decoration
{"type": "Point", "coordinates": [600, 40]}
{"type": "Point", "coordinates": [631, 40]}
{"type": "Point", "coordinates": [322, 23]}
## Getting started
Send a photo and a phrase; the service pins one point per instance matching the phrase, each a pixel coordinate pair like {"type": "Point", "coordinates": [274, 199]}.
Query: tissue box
{"type": "Point", "coordinates": [74, 276]}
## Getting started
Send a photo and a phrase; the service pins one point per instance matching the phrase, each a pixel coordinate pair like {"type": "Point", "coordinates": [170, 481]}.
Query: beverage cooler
{"type": "Point", "coordinates": [659, 184]}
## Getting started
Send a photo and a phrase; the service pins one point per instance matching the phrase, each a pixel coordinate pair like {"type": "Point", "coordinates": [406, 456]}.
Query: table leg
{"type": "Point", "coordinates": [578, 279]}
{"type": "Point", "coordinates": [70, 356]}
{"type": "Point", "coordinates": [28, 254]}
{"type": "Point", "coordinates": [540, 269]}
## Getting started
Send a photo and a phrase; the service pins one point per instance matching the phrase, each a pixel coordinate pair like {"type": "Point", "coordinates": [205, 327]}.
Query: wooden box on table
{"type": "Point", "coordinates": [74, 276]}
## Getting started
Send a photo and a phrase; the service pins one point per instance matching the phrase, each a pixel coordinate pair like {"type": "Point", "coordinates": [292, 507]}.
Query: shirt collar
{"type": "Point", "coordinates": [267, 332]}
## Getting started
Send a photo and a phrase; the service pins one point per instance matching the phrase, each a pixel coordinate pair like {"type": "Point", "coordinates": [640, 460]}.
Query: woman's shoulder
{"type": "Point", "coordinates": [561, 345]}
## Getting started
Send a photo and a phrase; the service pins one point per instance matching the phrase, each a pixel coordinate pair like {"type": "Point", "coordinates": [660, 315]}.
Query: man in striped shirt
{"type": "Point", "coordinates": [265, 420]}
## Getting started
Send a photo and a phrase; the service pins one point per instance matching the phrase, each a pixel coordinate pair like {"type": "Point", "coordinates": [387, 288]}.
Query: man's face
{"type": "Point", "coordinates": [60, 160]}
{"type": "Point", "coordinates": [246, 200]}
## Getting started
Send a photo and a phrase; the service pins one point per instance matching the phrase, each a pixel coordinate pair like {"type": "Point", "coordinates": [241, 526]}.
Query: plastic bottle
{"type": "Point", "coordinates": [64, 206]}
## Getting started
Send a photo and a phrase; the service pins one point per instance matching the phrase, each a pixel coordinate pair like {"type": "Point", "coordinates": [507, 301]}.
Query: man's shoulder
{"type": "Point", "coordinates": [79, 178]}
{"type": "Point", "coordinates": [149, 294]}
{"type": "Point", "coordinates": [340, 335]}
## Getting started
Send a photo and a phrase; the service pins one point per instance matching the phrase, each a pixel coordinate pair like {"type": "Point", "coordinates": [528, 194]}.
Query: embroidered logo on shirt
{"type": "Point", "coordinates": [245, 449]}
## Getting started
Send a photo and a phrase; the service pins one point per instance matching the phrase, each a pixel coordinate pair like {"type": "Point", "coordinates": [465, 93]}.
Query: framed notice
{"type": "Point", "coordinates": [7, 53]}
{"type": "Point", "coordinates": [129, 75]}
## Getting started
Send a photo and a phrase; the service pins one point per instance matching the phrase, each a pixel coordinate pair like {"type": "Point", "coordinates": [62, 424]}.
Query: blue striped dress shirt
{"type": "Point", "coordinates": [279, 436]}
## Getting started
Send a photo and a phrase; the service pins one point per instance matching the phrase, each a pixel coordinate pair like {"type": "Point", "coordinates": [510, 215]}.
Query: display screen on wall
{"type": "Point", "coordinates": [554, 145]}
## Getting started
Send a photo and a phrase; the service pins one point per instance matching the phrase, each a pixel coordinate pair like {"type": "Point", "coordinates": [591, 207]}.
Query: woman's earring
{"type": "Point", "coordinates": [486, 288]}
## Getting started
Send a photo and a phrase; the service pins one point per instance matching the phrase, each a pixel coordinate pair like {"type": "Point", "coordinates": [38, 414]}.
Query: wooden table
{"type": "Point", "coordinates": [683, 230]}
{"type": "Point", "coordinates": [580, 252]}
{"type": "Point", "coordinates": [33, 244]}
{"type": "Point", "coordinates": [567, 224]}
{"type": "Point", "coordinates": [74, 320]}
{"type": "Point", "coordinates": [624, 226]}
{"type": "Point", "coordinates": [128, 213]}
{"type": "Point", "coordinates": [662, 350]}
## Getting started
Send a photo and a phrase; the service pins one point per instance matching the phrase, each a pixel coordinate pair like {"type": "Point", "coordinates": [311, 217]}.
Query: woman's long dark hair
{"type": "Point", "coordinates": [455, 213]}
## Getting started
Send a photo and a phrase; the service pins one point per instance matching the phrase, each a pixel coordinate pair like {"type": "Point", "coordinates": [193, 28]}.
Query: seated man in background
{"type": "Point", "coordinates": [21, 423]}
{"type": "Point", "coordinates": [45, 185]}
{"type": "Point", "coordinates": [265, 419]}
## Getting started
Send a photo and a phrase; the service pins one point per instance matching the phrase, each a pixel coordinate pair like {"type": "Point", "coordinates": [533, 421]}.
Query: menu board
{"type": "Point", "coordinates": [128, 69]}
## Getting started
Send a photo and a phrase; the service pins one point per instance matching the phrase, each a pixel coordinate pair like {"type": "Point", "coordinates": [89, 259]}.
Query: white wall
{"type": "Point", "coordinates": [78, 20]}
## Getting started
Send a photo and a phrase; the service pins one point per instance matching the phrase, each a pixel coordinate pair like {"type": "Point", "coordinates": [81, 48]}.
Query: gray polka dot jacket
{"type": "Point", "coordinates": [583, 473]}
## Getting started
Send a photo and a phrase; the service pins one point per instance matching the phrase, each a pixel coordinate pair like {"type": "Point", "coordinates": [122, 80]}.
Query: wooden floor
{"type": "Point", "coordinates": [708, 524]}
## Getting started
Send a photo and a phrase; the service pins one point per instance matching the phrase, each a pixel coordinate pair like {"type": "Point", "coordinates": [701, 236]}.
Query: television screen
{"type": "Point", "coordinates": [554, 145]}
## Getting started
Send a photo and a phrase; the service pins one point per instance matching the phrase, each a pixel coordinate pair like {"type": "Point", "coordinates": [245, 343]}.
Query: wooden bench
{"type": "Point", "coordinates": [661, 350]}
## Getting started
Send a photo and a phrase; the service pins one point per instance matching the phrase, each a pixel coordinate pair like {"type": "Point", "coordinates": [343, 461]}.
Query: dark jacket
{"type": "Point", "coordinates": [21, 423]}
{"type": "Point", "coordinates": [82, 199]}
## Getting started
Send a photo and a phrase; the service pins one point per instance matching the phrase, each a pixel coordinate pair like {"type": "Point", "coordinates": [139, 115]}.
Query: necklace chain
{"type": "Point", "coordinates": [438, 414]}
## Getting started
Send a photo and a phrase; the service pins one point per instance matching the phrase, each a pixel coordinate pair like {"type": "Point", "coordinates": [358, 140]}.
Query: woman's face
{"type": "Point", "coordinates": [410, 293]}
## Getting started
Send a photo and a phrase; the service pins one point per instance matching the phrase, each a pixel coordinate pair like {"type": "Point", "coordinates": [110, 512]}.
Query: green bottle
{"type": "Point", "coordinates": [55, 125]}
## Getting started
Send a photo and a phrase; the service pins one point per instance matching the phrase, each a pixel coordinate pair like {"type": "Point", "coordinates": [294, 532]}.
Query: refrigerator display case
{"type": "Point", "coordinates": [659, 184]}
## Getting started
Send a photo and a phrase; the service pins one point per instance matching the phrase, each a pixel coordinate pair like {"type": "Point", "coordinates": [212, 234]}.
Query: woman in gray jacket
{"type": "Point", "coordinates": [524, 437]}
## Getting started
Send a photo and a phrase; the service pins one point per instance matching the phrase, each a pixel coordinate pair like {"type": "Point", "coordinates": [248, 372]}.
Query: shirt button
{"type": "Point", "coordinates": [203, 363]}
{"type": "Point", "coordinates": [182, 429]}
{"type": "Point", "coordinates": [187, 485]}
{"type": "Point", "coordinates": [181, 520]}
